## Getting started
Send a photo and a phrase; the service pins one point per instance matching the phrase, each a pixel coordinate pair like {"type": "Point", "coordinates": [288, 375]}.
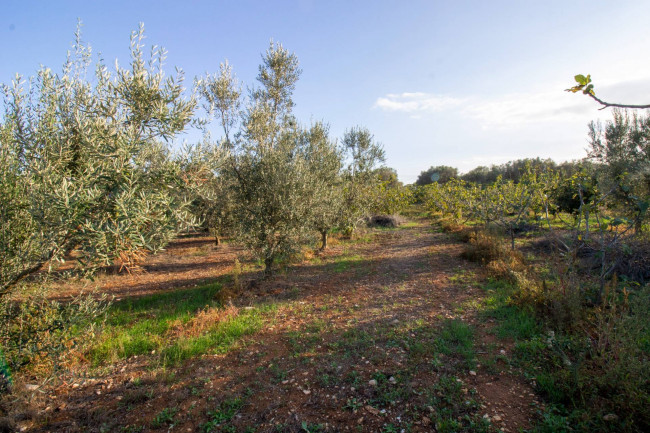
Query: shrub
{"type": "Point", "coordinates": [39, 334]}
{"type": "Point", "coordinates": [484, 247]}
{"type": "Point", "coordinates": [390, 221]}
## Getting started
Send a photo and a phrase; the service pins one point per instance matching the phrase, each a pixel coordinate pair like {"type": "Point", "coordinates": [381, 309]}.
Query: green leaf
{"type": "Point", "coordinates": [582, 80]}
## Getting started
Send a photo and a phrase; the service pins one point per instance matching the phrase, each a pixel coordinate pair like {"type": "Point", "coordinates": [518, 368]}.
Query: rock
{"type": "Point", "coordinates": [392, 380]}
{"type": "Point", "coordinates": [472, 373]}
{"type": "Point", "coordinates": [610, 417]}
{"type": "Point", "coordinates": [306, 391]}
{"type": "Point", "coordinates": [352, 389]}
{"type": "Point", "coordinates": [372, 382]}
{"type": "Point", "coordinates": [372, 410]}
{"type": "Point", "coordinates": [496, 418]}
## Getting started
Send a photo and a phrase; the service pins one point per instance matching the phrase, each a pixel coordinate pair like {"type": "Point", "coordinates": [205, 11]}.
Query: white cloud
{"type": "Point", "coordinates": [550, 105]}
{"type": "Point", "coordinates": [416, 102]}
{"type": "Point", "coordinates": [520, 109]}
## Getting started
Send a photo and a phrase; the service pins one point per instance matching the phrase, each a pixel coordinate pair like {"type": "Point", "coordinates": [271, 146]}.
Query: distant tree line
{"type": "Point", "coordinates": [511, 170]}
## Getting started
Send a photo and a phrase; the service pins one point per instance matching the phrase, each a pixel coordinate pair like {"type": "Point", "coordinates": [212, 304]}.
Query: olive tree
{"type": "Point", "coordinates": [207, 185]}
{"type": "Point", "coordinates": [274, 182]}
{"type": "Point", "coordinates": [325, 164]}
{"type": "Point", "coordinates": [363, 155]}
{"type": "Point", "coordinates": [85, 163]}
{"type": "Point", "coordinates": [622, 148]}
{"type": "Point", "coordinates": [208, 178]}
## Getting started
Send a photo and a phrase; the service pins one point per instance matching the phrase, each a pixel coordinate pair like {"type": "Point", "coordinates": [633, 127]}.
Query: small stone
{"type": "Point", "coordinates": [284, 382]}
{"type": "Point", "coordinates": [306, 391]}
{"type": "Point", "coordinates": [496, 418]}
{"type": "Point", "coordinates": [472, 373]}
{"type": "Point", "coordinates": [30, 387]}
{"type": "Point", "coordinates": [395, 322]}
{"type": "Point", "coordinates": [502, 352]}
{"type": "Point", "coordinates": [360, 420]}
{"type": "Point", "coordinates": [372, 382]}
{"type": "Point", "coordinates": [371, 409]}
{"type": "Point", "coordinates": [352, 389]}
{"type": "Point", "coordinates": [392, 380]}
{"type": "Point", "coordinates": [610, 417]}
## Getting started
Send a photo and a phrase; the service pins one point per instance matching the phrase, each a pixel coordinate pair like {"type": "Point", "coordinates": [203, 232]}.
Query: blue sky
{"type": "Point", "coordinates": [461, 83]}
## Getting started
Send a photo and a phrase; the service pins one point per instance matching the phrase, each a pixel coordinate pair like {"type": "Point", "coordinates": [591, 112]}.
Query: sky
{"type": "Point", "coordinates": [459, 83]}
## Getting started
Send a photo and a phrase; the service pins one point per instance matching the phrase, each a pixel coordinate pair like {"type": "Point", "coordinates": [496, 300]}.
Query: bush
{"type": "Point", "coordinates": [460, 231]}
{"type": "Point", "coordinates": [39, 334]}
{"type": "Point", "coordinates": [598, 369]}
{"type": "Point", "coordinates": [484, 247]}
{"type": "Point", "coordinates": [388, 221]}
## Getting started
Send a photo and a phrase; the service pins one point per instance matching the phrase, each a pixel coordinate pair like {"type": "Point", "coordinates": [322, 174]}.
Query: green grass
{"type": "Point", "coordinates": [512, 321]}
{"type": "Point", "coordinates": [456, 338]}
{"type": "Point", "coordinates": [345, 262]}
{"type": "Point", "coordinates": [165, 417]}
{"type": "Point", "coordinates": [221, 417]}
{"type": "Point", "coordinates": [456, 410]}
{"type": "Point", "coordinates": [151, 324]}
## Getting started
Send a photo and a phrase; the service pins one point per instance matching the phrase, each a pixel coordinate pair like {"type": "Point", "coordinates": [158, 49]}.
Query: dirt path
{"type": "Point", "coordinates": [375, 336]}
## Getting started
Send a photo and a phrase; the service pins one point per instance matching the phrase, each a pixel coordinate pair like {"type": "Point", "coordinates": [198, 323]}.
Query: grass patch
{"type": "Point", "coordinates": [344, 263]}
{"type": "Point", "coordinates": [456, 338]}
{"type": "Point", "coordinates": [512, 321]}
{"type": "Point", "coordinates": [456, 409]}
{"type": "Point", "coordinates": [175, 325]}
{"type": "Point", "coordinates": [221, 417]}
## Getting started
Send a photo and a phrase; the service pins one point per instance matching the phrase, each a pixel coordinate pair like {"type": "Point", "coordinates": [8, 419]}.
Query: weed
{"type": "Point", "coordinates": [312, 428]}
{"type": "Point", "coordinates": [277, 374]}
{"type": "Point", "coordinates": [165, 417]}
{"type": "Point", "coordinates": [132, 429]}
{"type": "Point", "coordinates": [455, 411]}
{"type": "Point", "coordinates": [134, 397]}
{"type": "Point", "coordinates": [353, 404]}
{"type": "Point", "coordinates": [457, 338]}
{"type": "Point", "coordinates": [220, 418]}
{"type": "Point", "coordinates": [390, 428]}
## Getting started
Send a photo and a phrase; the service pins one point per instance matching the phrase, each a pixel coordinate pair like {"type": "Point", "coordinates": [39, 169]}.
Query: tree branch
{"type": "Point", "coordinates": [609, 104]}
